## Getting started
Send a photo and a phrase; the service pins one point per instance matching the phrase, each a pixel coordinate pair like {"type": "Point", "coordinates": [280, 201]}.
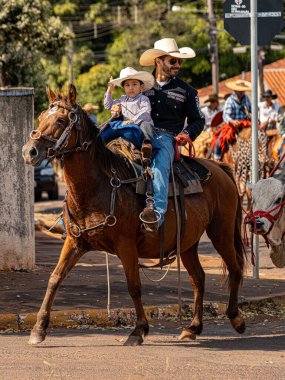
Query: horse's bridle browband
{"type": "Point", "coordinates": [58, 149]}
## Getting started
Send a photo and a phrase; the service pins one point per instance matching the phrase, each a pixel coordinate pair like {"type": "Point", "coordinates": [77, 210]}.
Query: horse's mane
{"type": "Point", "coordinates": [105, 159]}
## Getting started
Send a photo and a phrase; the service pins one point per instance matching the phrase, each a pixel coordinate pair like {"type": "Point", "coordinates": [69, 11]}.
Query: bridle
{"type": "Point", "coordinates": [59, 149]}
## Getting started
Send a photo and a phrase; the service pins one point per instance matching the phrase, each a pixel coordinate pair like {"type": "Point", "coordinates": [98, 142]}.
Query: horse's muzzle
{"type": "Point", "coordinates": [31, 154]}
{"type": "Point", "coordinates": [258, 226]}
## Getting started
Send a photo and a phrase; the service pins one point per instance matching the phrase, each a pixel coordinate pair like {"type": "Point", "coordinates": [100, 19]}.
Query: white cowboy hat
{"type": "Point", "coordinates": [166, 46]}
{"type": "Point", "coordinates": [239, 85]}
{"type": "Point", "coordinates": [130, 73]}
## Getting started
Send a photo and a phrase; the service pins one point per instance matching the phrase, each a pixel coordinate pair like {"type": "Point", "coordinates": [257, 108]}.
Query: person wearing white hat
{"type": "Point", "coordinates": [135, 124]}
{"type": "Point", "coordinates": [175, 111]}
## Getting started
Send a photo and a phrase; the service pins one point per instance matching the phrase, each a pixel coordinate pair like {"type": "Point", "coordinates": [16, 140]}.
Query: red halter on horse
{"type": "Point", "coordinates": [99, 220]}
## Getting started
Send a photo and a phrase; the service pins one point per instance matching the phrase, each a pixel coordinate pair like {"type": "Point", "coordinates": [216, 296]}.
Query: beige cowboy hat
{"type": "Point", "coordinates": [130, 73]}
{"type": "Point", "coordinates": [88, 107]}
{"type": "Point", "coordinates": [166, 46]}
{"type": "Point", "coordinates": [239, 85]}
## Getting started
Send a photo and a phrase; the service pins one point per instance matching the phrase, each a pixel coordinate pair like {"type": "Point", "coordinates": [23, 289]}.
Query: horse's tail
{"type": "Point", "coordinates": [238, 241]}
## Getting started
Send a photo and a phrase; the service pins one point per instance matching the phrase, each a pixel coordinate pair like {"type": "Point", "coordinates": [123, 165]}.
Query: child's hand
{"type": "Point", "coordinates": [111, 86]}
{"type": "Point", "coordinates": [125, 122]}
{"type": "Point", "coordinates": [116, 110]}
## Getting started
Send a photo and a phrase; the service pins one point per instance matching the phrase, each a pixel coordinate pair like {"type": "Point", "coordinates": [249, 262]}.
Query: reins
{"type": "Point", "coordinates": [251, 217]}
{"type": "Point", "coordinates": [59, 149]}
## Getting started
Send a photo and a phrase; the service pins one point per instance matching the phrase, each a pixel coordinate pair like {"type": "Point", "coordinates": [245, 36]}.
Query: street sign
{"type": "Point", "coordinates": [269, 20]}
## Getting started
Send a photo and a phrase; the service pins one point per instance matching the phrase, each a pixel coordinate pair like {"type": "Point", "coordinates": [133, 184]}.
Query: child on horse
{"type": "Point", "coordinates": [132, 114]}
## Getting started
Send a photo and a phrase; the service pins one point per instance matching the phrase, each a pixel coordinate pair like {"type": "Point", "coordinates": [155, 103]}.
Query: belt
{"type": "Point", "coordinates": [165, 130]}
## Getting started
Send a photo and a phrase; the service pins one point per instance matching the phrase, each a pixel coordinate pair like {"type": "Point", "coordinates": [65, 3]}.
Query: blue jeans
{"type": "Point", "coordinates": [131, 132]}
{"type": "Point", "coordinates": [217, 150]}
{"type": "Point", "coordinates": [163, 154]}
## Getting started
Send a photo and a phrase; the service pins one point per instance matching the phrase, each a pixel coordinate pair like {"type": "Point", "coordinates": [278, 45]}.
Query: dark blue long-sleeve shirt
{"type": "Point", "coordinates": [173, 104]}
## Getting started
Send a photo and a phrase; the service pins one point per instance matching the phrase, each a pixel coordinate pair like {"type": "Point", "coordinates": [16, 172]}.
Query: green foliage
{"type": "Point", "coordinates": [91, 87]}
{"type": "Point", "coordinates": [28, 31]}
{"type": "Point", "coordinates": [33, 42]}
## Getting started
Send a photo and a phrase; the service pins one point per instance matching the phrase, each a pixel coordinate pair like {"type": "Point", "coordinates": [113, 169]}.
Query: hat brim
{"type": "Point", "coordinates": [143, 76]}
{"type": "Point", "coordinates": [273, 96]}
{"type": "Point", "coordinates": [236, 87]}
{"type": "Point", "coordinates": [147, 58]}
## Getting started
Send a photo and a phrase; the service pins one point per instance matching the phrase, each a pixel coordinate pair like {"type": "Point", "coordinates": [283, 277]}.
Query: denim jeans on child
{"type": "Point", "coordinates": [131, 132]}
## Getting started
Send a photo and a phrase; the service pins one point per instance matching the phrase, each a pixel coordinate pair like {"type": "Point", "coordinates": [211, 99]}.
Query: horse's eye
{"type": "Point", "coordinates": [61, 121]}
{"type": "Point", "coordinates": [278, 200]}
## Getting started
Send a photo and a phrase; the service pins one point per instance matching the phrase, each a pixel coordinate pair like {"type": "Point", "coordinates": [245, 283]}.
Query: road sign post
{"type": "Point", "coordinates": [254, 23]}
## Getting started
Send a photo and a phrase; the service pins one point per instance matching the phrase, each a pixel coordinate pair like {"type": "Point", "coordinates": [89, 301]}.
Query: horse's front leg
{"type": "Point", "coordinates": [129, 259]}
{"type": "Point", "coordinates": [68, 258]}
{"type": "Point", "coordinates": [196, 273]}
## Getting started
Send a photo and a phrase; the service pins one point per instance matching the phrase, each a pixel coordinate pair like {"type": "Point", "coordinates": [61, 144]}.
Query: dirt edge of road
{"type": "Point", "coordinates": [126, 316]}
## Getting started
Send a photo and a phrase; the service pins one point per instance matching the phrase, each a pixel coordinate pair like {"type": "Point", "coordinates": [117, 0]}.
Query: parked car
{"type": "Point", "coordinates": [46, 180]}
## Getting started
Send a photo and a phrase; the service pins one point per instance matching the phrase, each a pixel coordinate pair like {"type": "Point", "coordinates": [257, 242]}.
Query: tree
{"type": "Point", "coordinates": [28, 32]}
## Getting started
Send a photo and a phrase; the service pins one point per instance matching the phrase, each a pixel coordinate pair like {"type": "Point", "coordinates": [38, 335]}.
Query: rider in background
{"type": "Point", "coordinates": [211, 110]}
{"type": "Point", "coordinates": [237, 111]}
{"type": "Point", "coordinates": [90, 108]}
{"type": "Point", "coordinates": [172, 102]}
{"type": "Point", "coordinates": [269, 111]}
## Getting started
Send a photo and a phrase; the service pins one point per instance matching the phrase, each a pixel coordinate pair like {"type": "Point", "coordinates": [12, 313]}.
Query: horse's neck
{"type": "Point", "coordinates": [83, 179]}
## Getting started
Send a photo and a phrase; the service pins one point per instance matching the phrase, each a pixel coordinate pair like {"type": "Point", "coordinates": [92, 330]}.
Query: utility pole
{"type": "Point", "coordinates": [168, 5]}
{"type": "Point", "coordinates": [136, 13]}
{"type": "Point", "coordinates": [261, 58]}
{"type": "Point", "coordinates": [254, 115]}
{"type": "Point", "coordinates": [213, 47]}
{"type": "Point", "coordinates": [70, 54]}
{"type": "Point", "coordinates": [119, 15]}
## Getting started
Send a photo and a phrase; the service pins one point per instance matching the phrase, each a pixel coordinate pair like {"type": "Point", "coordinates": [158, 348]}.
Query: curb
{"type": "Point", "coordinates": [123, 316]}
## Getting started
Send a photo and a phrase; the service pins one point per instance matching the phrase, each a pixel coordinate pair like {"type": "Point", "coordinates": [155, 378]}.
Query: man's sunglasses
{"type": "Point", "coordinates": [172, 61]}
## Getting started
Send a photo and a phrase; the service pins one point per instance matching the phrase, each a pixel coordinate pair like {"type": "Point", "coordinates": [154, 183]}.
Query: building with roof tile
{"type": "Point", "coordinates": [274, 79]}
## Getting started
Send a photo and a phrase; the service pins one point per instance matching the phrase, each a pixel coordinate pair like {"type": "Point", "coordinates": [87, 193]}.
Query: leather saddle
{"type": "Point", "coordinates": [189, 173]}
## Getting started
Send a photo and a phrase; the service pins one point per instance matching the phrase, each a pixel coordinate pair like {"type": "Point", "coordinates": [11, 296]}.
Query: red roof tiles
{"type": "Point", "coordinates": [274, 79]}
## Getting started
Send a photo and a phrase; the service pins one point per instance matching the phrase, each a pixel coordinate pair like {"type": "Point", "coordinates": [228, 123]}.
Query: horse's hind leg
{"type": "Point", "coordinates": [223, 241]}
{"type": "Point", "coordinates": [68, 258]}
{"type": "Point", "coordinates": [191, 262]}
{"type": "Point", "coordinates": [131, 268]}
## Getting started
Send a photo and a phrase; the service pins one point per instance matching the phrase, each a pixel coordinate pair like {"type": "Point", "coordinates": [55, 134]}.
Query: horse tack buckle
{"type": "Point", "coordinates": [109, 222]}
{"type": "Point", "coordinates": [35, 134]}
{"type": "Point", "coordinates": [77, 232]}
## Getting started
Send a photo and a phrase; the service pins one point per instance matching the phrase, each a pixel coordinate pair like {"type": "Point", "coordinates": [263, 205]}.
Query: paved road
{"type": "Point", "coordinates": [98, 354]}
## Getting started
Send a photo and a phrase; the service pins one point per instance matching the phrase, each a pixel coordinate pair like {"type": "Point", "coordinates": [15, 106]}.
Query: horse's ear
{"type": "Point", "coordinates": [51, 95]}
{"type": "Point", "coordinates": [71, 95]}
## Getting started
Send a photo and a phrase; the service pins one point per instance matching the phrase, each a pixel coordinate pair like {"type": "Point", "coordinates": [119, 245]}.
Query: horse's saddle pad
{"type": "Point", "coordinates": [188, 172]}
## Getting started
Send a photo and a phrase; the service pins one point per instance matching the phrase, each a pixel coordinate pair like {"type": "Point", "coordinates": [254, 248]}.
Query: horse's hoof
{"type": "Point", "coordinates": [36, 338]}
{"type": "Point", "coordinates": [238, 324]}
{"type": "Point", "coordinates": [187, 335]}
{"type": "Point", "coordinates": [134, 341]}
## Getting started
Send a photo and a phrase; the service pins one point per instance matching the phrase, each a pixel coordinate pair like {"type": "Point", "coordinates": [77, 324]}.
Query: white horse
{"type": "Point", "coordinates": [267, 217]}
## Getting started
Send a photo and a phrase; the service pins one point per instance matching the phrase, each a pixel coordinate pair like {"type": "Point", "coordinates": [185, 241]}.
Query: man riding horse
{"type": "Point", "coordinates": [236, 115]}
{"type": "Point", "coordinates": [173, 101]}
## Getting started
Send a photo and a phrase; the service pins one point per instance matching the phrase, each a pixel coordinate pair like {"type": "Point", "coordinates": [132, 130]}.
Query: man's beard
{"type": "Point", "coordinates": [168, 72]}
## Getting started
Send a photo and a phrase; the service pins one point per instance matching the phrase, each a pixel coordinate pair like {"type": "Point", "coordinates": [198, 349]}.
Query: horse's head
{"type": "Point", "coordinates": [60, 129]}
{"type": "Point", "coordinates": [267, 207]}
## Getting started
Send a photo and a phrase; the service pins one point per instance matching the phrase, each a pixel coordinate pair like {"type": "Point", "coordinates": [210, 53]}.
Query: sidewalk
{"type": "Point", "coordinates": [85, 289]}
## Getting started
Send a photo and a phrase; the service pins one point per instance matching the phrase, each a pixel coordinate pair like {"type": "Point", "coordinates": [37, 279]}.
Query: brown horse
{"type": "Point", "coordinates": [96, 220]}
